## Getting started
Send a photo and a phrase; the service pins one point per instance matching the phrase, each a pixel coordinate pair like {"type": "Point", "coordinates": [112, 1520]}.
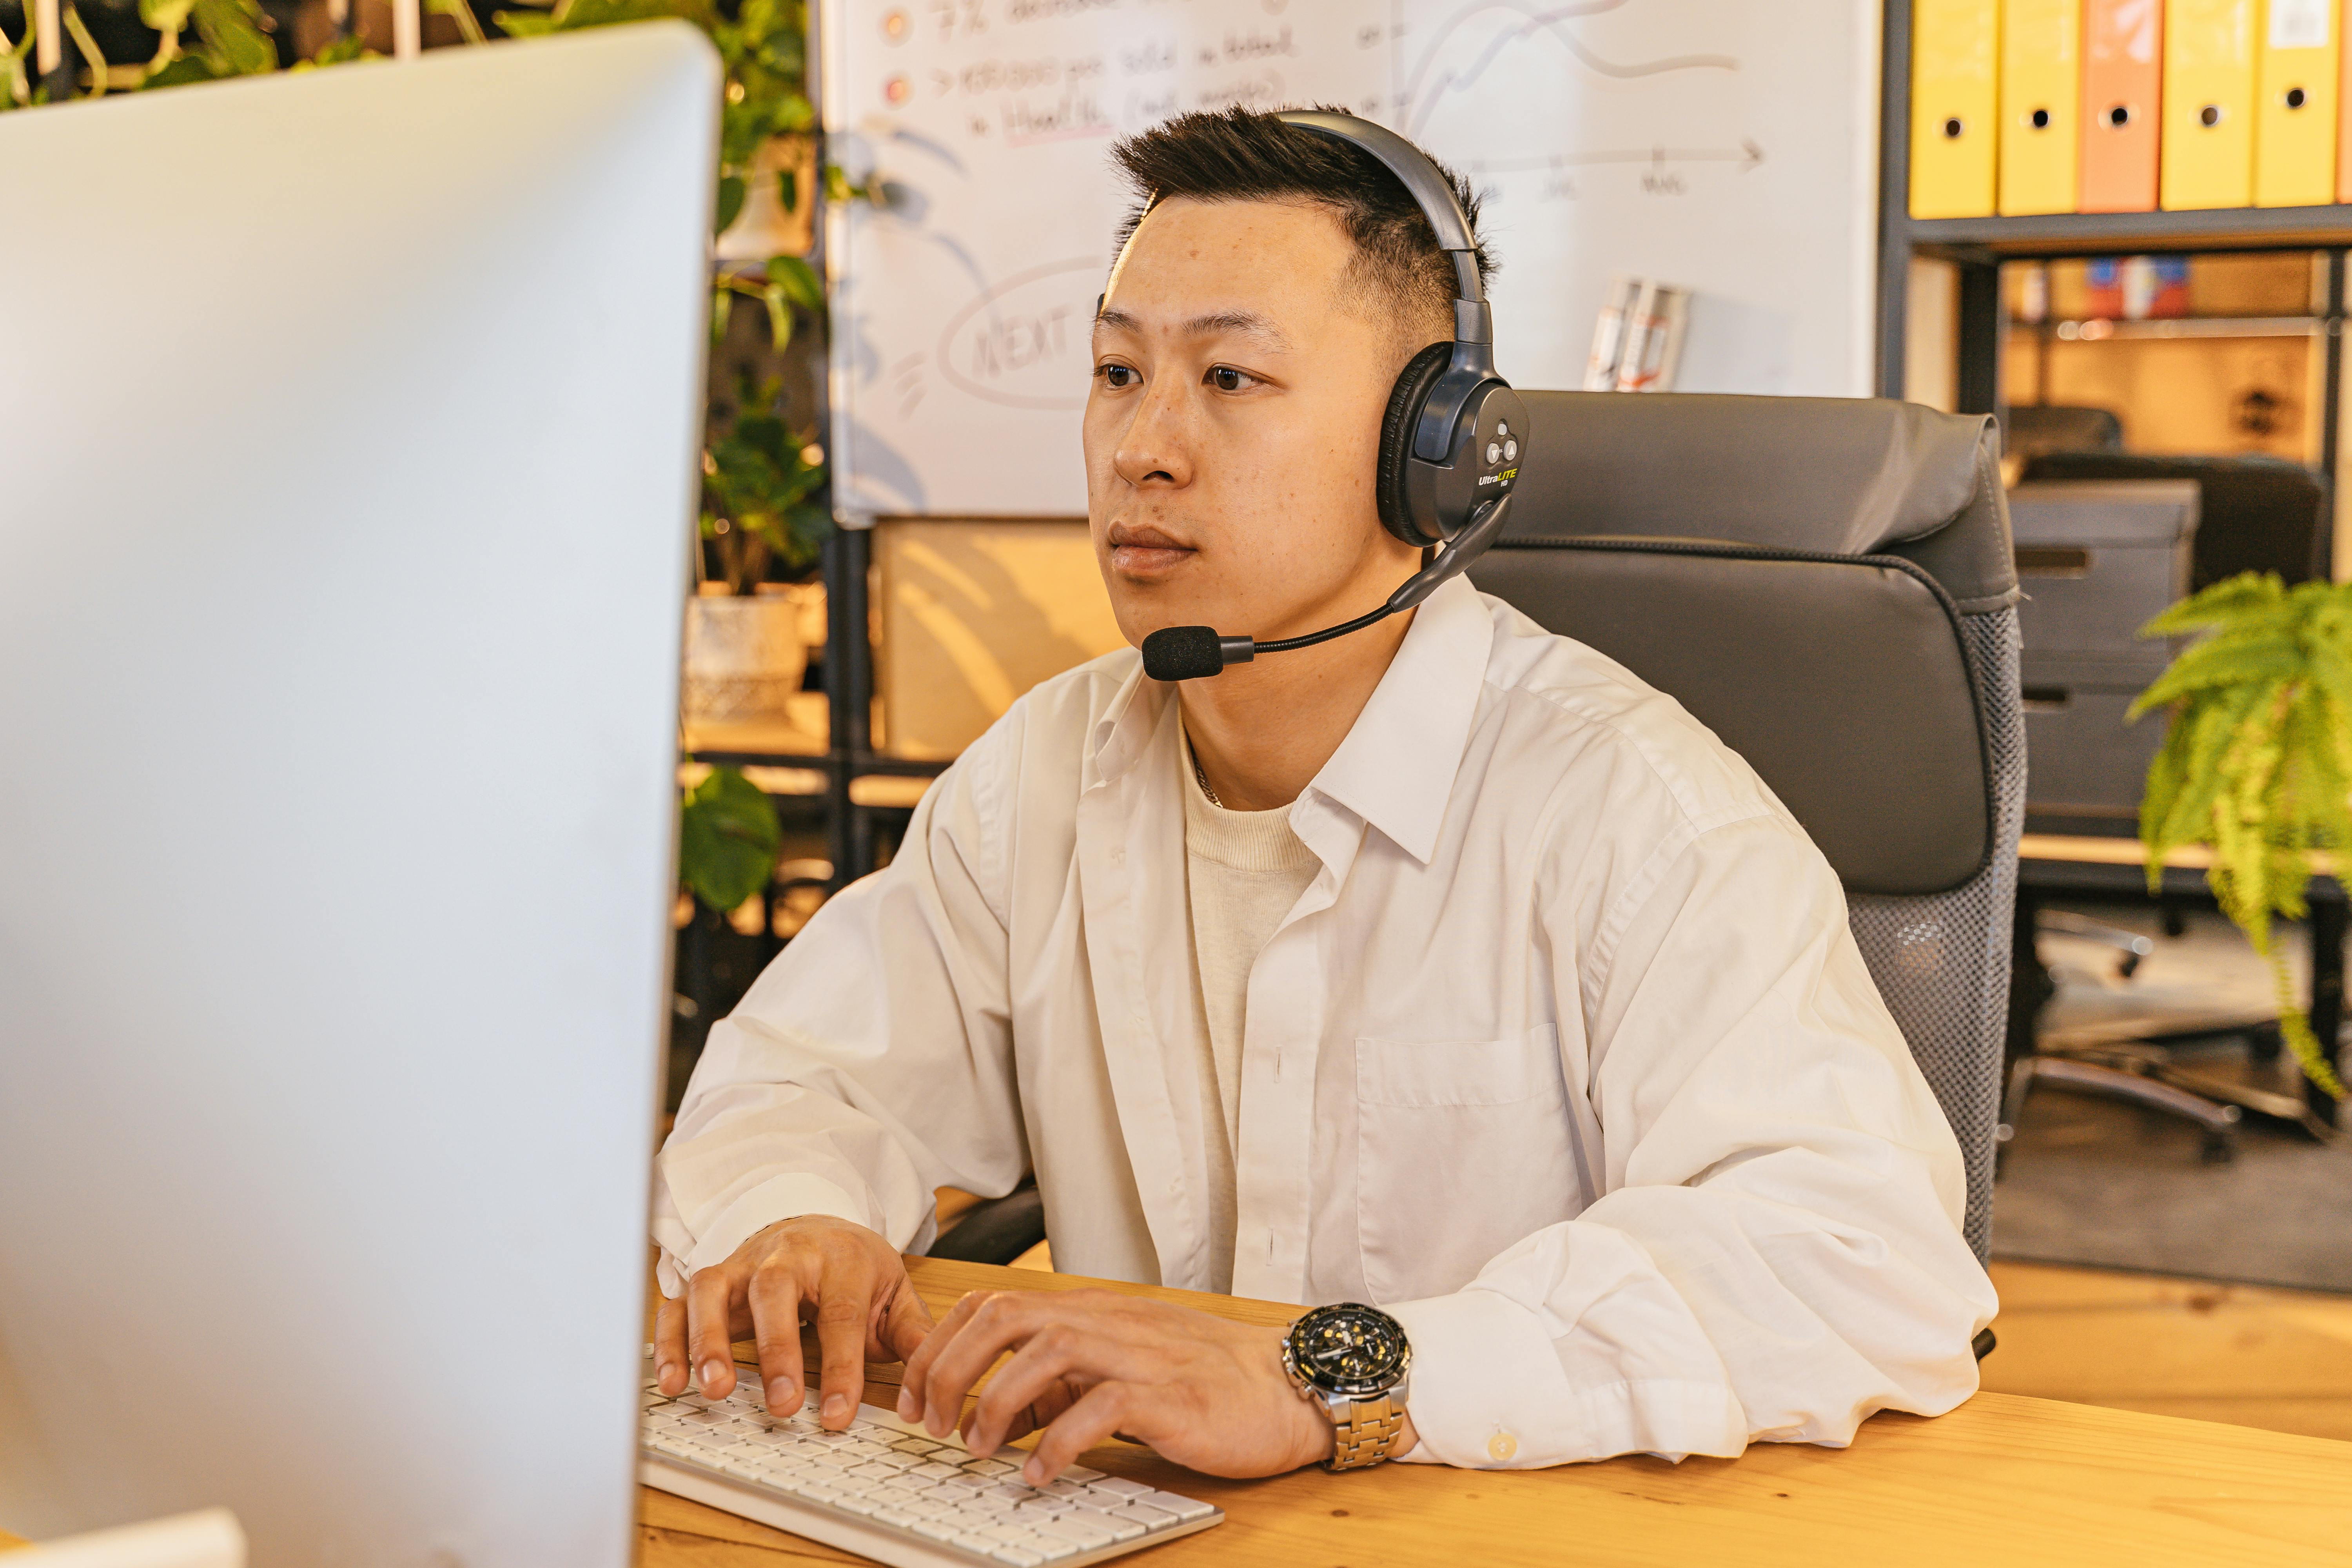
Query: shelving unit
{"type": "Point", "coordinates": [1975, 248]}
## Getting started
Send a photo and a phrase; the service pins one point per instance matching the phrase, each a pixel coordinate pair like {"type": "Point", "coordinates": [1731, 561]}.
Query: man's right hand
{"type": "Point", "coordinates": [845, 1278]}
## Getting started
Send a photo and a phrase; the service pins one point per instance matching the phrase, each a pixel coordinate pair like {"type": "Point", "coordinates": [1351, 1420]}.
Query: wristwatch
{"type": "Point", "coordinates": [1350, 1362]}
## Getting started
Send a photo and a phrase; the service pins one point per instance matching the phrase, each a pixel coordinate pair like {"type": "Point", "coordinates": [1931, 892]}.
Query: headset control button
{"type": "Point", "coordinates": [1493, 453]}
{"type": "Point", "coordinates": [1511, 451]}
{"type": "Point", "coordinates": [1502, 427]}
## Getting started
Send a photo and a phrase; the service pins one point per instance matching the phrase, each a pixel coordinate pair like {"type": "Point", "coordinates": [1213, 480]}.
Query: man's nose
{"type": "Point", "coordinates": [1156, 449]}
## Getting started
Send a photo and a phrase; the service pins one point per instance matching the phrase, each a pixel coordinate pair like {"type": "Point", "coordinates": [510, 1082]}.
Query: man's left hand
{"type": "Point", "coordinates": [1207, 1394]}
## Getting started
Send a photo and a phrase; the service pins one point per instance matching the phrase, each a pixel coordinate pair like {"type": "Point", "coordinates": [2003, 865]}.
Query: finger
{"type": "Point", "coordinates": [1005, 1319]}
{"type": "Point", "coordinates": [1053, 1352]}
{"type": "Point", "coordinates": [669, 1346]}
{"type": "Point", "coordinates": [1041, 1411]}
{"type": "Point", "coordinates": [911, 1388]}
{"type": "Point", "coordinates": [1101, 1411]}
{"type": "Point", "coordinates": [844, 1295]}
{"type": "Point", "coordinates": [906, 1322]}
{"type": "Point", "coordinates": [776, 1294]}
{"type": "Point", "coordinates": [709, 1299]}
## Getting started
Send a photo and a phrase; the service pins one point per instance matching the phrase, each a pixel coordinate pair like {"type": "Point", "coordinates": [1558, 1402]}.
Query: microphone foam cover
{"type": "Point", "coordinates": [1182, 653]}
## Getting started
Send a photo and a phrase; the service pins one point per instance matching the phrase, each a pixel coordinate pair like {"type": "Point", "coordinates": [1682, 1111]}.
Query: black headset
{"type": "Point", "coordinates": [1450, 442]}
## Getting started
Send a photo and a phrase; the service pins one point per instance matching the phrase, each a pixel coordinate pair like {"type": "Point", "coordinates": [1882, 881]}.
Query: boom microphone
{"type": "Point", "coordinates": [1195, 653]}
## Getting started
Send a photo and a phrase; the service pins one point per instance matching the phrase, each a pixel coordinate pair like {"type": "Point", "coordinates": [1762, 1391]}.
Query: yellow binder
{"type": "Point", "coordinates": [2208, 103]}
{"type": "Point", "coordinates": [2295, 96]}
{"type": "Point", "coordinates": [2040, 90]}
{"type": "Point", "coordinates": [1953, 73]}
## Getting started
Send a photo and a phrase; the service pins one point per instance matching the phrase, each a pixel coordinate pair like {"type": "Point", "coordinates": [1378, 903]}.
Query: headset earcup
{"type": "Point", "coordinates": [1411, 390]}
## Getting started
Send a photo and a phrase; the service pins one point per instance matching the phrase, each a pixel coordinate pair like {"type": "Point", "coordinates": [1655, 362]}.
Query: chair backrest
{"type": "Point", "coordinates": [2254, 513]}
{"type": "Point", "coordinates": [1828, 583]}
{"type": "Point", "coordinates": [2034, 429]}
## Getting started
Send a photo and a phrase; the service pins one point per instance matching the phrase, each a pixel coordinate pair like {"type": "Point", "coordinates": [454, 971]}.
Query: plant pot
{"type": "Point", "coordinates": [765, 227]}
{"type": "Point", "coordinates": [744, 658]}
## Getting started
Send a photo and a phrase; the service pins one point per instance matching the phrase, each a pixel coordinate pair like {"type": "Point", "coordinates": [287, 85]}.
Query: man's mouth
{"type": "Point", "coordinates": [1140, 550]}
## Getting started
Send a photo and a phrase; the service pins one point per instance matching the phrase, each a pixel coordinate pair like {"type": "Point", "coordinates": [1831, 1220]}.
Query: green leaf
{"type": "Point", "coordinates": [780, 316]}
{"type": "Point", "coordinates": [180, 72]}
{"type": "Point", "coordinates": [164, 16]}
{"type": "Point", "coordinates": [798, 280]}
{"type": "Point", "coordinates": [727, 838]}
{"type": "Point", "coordinates": [730, 205]}
{"type": "Point", "coordinates": [581, 14]}
{"type": "Point", "coordinates": [232, 33]}
{"type": "Point", "coordinates": [788, 189]}
{"type": "Point", "coordinates": [343, 51]}
{"type": "Point", "coordinates": [524, 23]}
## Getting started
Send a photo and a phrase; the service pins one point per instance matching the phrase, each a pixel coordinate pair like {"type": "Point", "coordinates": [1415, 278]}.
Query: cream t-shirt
{"type": "Point", "coordinates": [1243, 870]}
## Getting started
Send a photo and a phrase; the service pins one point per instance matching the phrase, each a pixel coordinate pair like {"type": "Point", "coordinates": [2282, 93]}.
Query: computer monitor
{"type": "Point", "coordinates": [349, 424]}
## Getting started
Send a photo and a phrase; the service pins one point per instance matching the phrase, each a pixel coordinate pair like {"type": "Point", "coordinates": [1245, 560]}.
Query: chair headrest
{"type": "Point", "coordinates": [1834, 475]}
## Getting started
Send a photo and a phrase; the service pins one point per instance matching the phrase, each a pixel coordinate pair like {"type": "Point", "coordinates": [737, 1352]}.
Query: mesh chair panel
{"type": "Point", "coordinates": [1941, 961]}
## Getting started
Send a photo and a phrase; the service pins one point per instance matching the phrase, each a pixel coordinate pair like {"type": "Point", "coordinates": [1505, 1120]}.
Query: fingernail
{"type": "Point", "coordinates": [1034, 1473]}
{"type": "Point", "coordinates": [837, 1407]}
{"type": "Point", "coordinates": [662, 1373]}
{"type": "Point", "coordinates": [910, 1407]}
{"type": "Point", "coordinates": [710, 1374]}
{"type": "Point", "coordinates": [780, 1394]}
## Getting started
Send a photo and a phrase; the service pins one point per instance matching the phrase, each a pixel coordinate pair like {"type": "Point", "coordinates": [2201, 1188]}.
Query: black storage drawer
{"type": "Point", "coordinates": [2081, 758]}
{"type": "Point", "coordinates": [2097, 558]}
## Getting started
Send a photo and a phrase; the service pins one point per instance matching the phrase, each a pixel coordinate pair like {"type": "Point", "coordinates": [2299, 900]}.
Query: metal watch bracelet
{"type": "Point", "coordinates": [1363, 1430]}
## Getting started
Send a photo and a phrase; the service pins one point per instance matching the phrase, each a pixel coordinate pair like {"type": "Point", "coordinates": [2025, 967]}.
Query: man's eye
{"type": "Point", "coordinates": [1116, 376]}
{"type": "Point", "coordinates": [1225, 378]}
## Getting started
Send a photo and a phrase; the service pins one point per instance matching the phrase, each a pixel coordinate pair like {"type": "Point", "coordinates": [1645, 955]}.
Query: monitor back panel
{"type": "Point", "coordinates": [351, 427]}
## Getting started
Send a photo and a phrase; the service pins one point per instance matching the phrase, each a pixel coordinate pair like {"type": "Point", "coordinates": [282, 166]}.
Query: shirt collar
{"type": "Point", "coordinates": [1396, 768]}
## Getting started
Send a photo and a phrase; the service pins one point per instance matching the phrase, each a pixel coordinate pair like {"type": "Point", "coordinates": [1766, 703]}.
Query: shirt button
{"type": "Point", "coordinates": [1501, 1447]}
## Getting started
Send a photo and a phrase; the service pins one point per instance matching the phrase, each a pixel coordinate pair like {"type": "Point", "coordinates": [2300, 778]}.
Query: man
{"type": "Point", "coordinates": [1445, 966]}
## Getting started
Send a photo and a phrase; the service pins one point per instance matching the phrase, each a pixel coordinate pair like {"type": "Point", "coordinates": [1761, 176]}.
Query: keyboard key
{"type": "Point", "coordinates": [931, 1469]}
{"type": "Point", "coordinates": [1081, 1475]}
{"type": "Point", "coordinates": [1018, 1556]}
{"type": "Point", "coordinates": [920, 1446]}
{"type": "Point", "coordinates": [987, 1468]}
{"type": "Point", "coordinates": [1124, 1489]}
{"type": "Point", "coordinates": [980, 1543]}
{"type": "Point", "coordinates": [938, 1529]}
{"type": "Point", "coordinates": [1064, 1489]}
{"type": "Point", "coordinates": [857, 1504]}
{"type": "Point", "coordinates": [1121, 1526]}
{"type": "Point", "coordinates": [1149, 1518]}
{"type": "Point", "coordinates": [1183, 1508]}
{"type": "Point", "coordinates": [1008, 1534]}
{"type": "Point", "coordinates": [1075, 1526]}
{"type": "Point", "coordinates": [897, 1516]}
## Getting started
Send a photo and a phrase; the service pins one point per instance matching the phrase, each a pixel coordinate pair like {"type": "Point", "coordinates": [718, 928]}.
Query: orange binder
{"type": "Point", "coordinates": [2123, 73]}
{"type": "Point", "coordinates": [2295, 74]}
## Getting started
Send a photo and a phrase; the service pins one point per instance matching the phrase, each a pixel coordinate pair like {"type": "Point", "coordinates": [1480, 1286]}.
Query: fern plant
{"type": "Point", "coordinates": [2258, 762]}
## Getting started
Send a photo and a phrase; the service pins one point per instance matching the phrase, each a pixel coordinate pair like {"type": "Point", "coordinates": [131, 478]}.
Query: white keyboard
{"type": "Point", "coordinates": [891, 1491]}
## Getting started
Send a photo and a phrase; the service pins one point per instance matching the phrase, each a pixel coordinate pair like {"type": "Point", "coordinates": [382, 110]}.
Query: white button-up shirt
{"type": "Point", "coordinates": [1566, 1057]}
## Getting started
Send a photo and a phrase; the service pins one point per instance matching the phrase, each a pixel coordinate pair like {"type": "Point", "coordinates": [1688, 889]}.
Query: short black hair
{"type": "Point", "coordinates": [1240, 156]}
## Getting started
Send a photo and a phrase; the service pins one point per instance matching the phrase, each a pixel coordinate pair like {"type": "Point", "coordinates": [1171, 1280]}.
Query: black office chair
{"type": "Point", "coordinates": [2254, 513]}
{"type": "Point", "coordinates": [1828, 585]}
{"type": "Point", "coordinates": [2033, 429]}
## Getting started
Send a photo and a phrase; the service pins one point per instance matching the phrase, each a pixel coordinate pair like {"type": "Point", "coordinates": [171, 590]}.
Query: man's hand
{"type": "Point", "coordinates": [843, 1277]}
{"type": "Point", "coordinates": [1207, 1394]}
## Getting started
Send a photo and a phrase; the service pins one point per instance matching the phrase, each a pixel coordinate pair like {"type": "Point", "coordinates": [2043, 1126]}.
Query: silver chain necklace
{"type": "Point", "coordinates": [1204, 780]}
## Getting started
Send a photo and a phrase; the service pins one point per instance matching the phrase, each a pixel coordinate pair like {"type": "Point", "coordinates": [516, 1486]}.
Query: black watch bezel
{"type": "Point", "coordinates": [1369, 1347]}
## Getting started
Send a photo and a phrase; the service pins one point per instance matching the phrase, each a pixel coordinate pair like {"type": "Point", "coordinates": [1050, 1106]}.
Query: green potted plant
{"type": "Point", "coordinates": [2257, 763]}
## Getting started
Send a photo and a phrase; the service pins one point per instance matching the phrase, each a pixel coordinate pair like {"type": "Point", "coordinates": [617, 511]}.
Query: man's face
{"type": "Point", "coordinates": [1234, 425]}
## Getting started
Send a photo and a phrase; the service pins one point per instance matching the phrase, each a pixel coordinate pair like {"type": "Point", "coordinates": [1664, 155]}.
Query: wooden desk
{"type": "Point", "coordinates": [2003, 1479]}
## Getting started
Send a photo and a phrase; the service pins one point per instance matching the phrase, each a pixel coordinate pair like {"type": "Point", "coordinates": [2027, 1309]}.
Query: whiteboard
{"type": "Point", "coordinates": [1729, 146]}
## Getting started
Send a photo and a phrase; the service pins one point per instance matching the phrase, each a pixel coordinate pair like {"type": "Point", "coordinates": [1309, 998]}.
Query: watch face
{"type": "Point", "coordinates": [1349, 1349]}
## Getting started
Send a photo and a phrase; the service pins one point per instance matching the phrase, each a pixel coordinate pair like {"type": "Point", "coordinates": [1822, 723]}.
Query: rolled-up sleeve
{"type": "Point", "coordinates": [872, 1062]}
{"type": "Point", "coordinates": [1776, 1251]}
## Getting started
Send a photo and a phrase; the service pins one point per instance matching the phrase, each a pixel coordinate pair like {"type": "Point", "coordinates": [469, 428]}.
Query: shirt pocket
{"type": "Point", "coordinates": [1463, 1149]}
